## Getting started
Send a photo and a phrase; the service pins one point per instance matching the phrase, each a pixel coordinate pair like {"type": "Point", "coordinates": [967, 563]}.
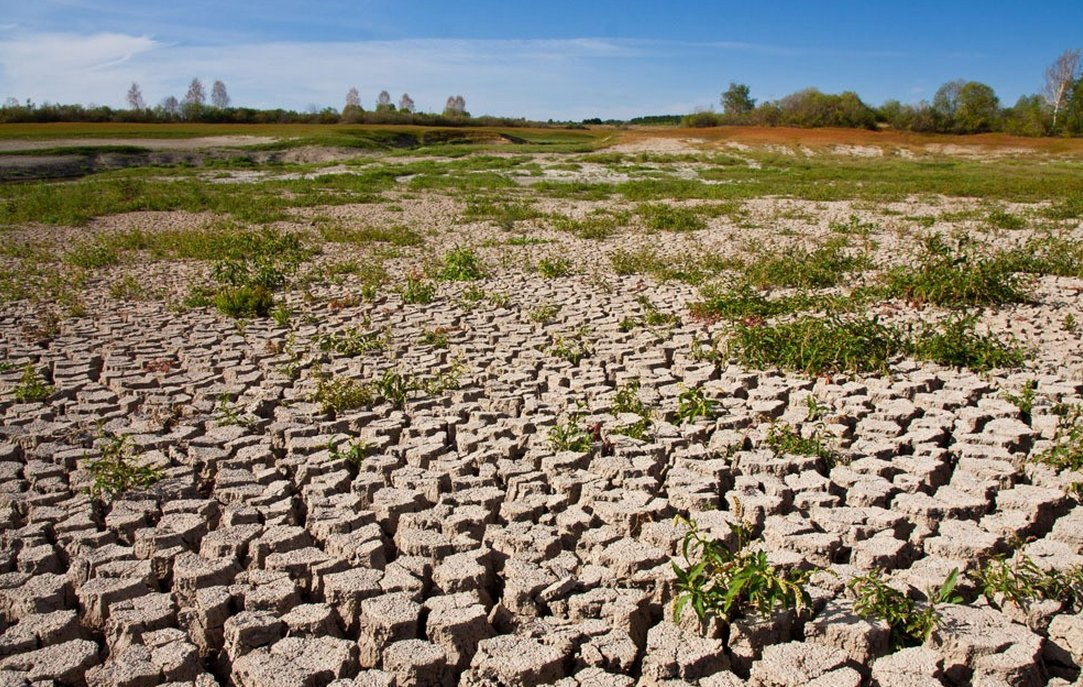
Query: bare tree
{"type": "Point", "coordinates": [353, 99]}
{"type": "Point", "coordinates": [383, 102]}
{"type": "Point", "coordinates": [406, 103]}
{"type": "Point", "coordinates": [1059, 78]}
{"type": "Point", "coordinates": [171, 106]}
{"type": "Point", "coordinates": [219, 96]}
{"type": "Point", "coordinates": [135, 98]}
{"type": "Point", "coordinates": [455, 107]}
{"type": "Point", "coordinates": [196, 94]}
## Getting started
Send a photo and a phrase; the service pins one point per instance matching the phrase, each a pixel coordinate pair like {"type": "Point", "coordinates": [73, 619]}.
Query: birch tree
{"type": "Point", "coordinates": [1059, 78]}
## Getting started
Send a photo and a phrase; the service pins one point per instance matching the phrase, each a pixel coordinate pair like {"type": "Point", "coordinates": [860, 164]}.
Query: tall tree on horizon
{"type": "Point", "coordinates": [736, 101]}
{"type": "Point", "coordinates": [383, 102]}
{"type": "Point", "coordinates": [219, 96]}
{"type": "Point", "coordinates": [135, 98]}
{"type": "Point", "coordinates": [196, 94]}
{"type": "Point", "coordinates": [1059, 79]}
{"type": "Point", "coordinates": [455, 107]}
{"type": "Point", "coordinates": [406, 103]}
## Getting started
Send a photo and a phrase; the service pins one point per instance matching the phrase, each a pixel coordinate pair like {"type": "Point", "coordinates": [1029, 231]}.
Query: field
{"type": "Point", "coordinates": [393, 405]}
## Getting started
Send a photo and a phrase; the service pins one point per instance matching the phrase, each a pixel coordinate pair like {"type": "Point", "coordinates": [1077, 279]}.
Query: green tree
{"type": "Point", "coordinates": [1028, 117]}
{"type": "Point", "coordinates": [736, 101]}
{"type": "Point", "coordinates": [978, 108]}
{"type": "Point", "coordinates": [1073, 113]}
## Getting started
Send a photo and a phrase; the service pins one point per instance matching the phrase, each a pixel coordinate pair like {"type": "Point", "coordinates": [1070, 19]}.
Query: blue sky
{"type": "Point", "coordinates": [556, 59]}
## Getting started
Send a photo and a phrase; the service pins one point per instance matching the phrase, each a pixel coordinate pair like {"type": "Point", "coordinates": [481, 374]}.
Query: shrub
{"type": "Point", "coordinates": [956, 343]}
{"type": "Point", "coordinates": [461, 264]}
{"type": "Point", "coordinates": [116, 471]}
{"type": "Point", "coordinates": [417, 291]}
{"type": "Point", "coordinates": [32, 387]}
{"type": "Point", "coordinates": [911, 623]}
{"type": "Point", "coordinates": [244, 301]}
{"type": "Point", "coordinates": [693, 404]}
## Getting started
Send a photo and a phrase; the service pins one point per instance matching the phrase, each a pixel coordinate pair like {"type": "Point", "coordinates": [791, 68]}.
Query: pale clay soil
{"type": "Point", "coordinates": [465, 550]}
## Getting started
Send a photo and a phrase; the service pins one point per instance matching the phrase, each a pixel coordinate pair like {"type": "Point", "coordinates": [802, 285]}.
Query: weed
{"type": "Point", "coordinates": [1024, 400]}
{"type": "Point", "coordinates": [955, 342]}
{"type": "Point", "coordinates": [723, 582]}
{"type": "Point", "coordinates": [502, 214]}
{"type": "Point", "coordinates": [626, 400]}
{"type": "Point", "coordinates": [281, 315]}
{"type": "Point", "coordinates": [785, 439]}
{"type": "Point", "coordinates": [116, 471]}
{"type": "Point", "coordinates": [339, 395]}
{"type": "Point", "coordinates": [244, 301]}
{"type": "Point", "coordinates": [910, 623]}
{"type": "Point", "coordinates": [570, 436]}
{"type": "Point", "coordinates": [597, 226]}
{"type": "Point", "coordinates": [554, 267]}
{"type": "Point", "coordinates": [398, 235]}
{"type": "Point", "coordinates": [230, 415]}
{"type": "Point", "coordinates": [354, 342]}
{"type": "Point", "coordinates": [1021, 581]}
{"type": "Point", "coordinates": [825, 266]}
{"type": "Point", "coordinates": [572, 348]}
{"type": "Point", "coordinates": [543, 314]}
{"type": "Point", "coordinates": [693, 405]}
{"type": "Point", "coordinates": [954, 276]}
{"type": "Point", "coordinates": [1066, 451]}
{"type": "Point", "coordinates": [437, 337]}
{"type": "Point", "coordinates": [92, 255]}
{"type": "Point", "coordinates": [816, 346]}
{"type": "Point", "coordinates": [1070, 325]}
{"type": "Point", "coordinates": [635, 430]}
{"type": "Point", "coordinates": [854, 226]}
{"type": "Point", "coordinates": [128, 288]}
{"type": "Point", "coordinates": [1002, 219]}
{"type": "Point", "coordinates": [417, 291]}
{"type": "Point", "coordinates": [662, 217]}
{"type": "Point", "coordinates": [32, 387]}
{"type": "Point", "coordinates": [353, 455]}
{"type": "Point", "coordinates": [1047, 253]}
{"type": "Point", "coordinates": [736, 301]}
{"type": "Point", "coordinates": [395, 387]}
{"type": "Point", "coordinates": [461, 264]}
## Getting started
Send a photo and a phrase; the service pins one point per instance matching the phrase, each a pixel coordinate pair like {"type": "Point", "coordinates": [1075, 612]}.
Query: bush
{"type": "Point", "coordinates": [461, 264]}
{"type": "Point", "coordinates": [245, 301]}
{"type": "Point", "coordinates": [955, 276]}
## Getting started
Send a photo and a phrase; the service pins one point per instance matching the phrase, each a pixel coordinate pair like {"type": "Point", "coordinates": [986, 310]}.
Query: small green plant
{"type": "Point", "coordinates": [826, 265]}
{"type": "Point", "coordinates": [1002, 219]}
{"type": "Point", "coordinates": [817, 345]}
{"type": "Point", "coordinates": [727, 582]}
{"type": "Point", "coordinates": [853, 226]}
{"type": "Point", "coordinates": [1020, 581]}
{"type": "Point", "coordinates": [128, 288]}
{"type": "Point", "coordinates": [229, 414]}
{"type": "Point", "coordinates": [570, 436]}
{"type": "Point", "coordinates": [281, 315]}
{"type": "Point", "coordinates": [395, 387]}
{"type": "Point", "coordinates": [1024, 400]}
{"type": "Point", "coordinates": [911, 623]}
{"type": "Point", "coordinates": [785, 439]}
{"type": "Point", "coordinates": [954, 276]}
{"type": "Point", "coordinates": [572, 348]}
{"type": "Point", "coordinates": [551, 268]}
{"type": "Point", "coordinates": [627, 400]}
{"type": "Point", "coordinates": [32, 387]}
{"type": "Point", "coordinates": [461, 264]}
{"type": "Point", "coordinates": [353, 454]}
{"type": "Point", "coordinates": [693, 405]}
{"type": "Point", "coordinates": [244, 301]}
{"type": "Point", "coordinates": [1066, 451]}
{"type": "Point", "coordinates": [437, 337]}
{"type": "Point", "coordinates": [543, 314]}
{"type": "Point", "coordinates": [955, 342]}
{"type": "Point", "coordinates": [354, 342]}
{"type": "Point", "coordinates": [1069, 324]}
{"type": "Point", "coordinates": [635, 430]}
{"type": "Point", "coordinates": [116, 470]}
{"type": "Point", "coordinates": [662, 217]}
{"type": "Point", "coordinates": [337, 395]}
{"type": "Point", "coordinates": [417, 290]}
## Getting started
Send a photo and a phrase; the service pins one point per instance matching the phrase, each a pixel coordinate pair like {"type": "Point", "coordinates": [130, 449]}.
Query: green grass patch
{"type": "Point", "coordinates": [954, 276]}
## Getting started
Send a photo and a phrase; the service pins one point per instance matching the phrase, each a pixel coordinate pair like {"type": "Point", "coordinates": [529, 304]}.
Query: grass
{"type": "Point", "coordinates": [826, 265]}
{"type": "Point", "coordinates": [504, 214]}
{"type": "Point", "coordinates": [397, 235]}
{"type": "Point", "coordinates": [1066, 451]}
{"type": "Point", "coordinates": [693, 405]}
{"type": "Point", "coordinates": [461, 264]}
{"type": "Point", "coordinates": [663, 217]}
{"type": "Point", "coordinates": [1019, 580]}
{"type": "Point", "coordinates": [816, 345]}
{"type": "Point", "coordinates": [32, 387]}
{"type": "Point", "coordinates": [596, 226]}
{"type": "Point", "coordinates": [955, 343]}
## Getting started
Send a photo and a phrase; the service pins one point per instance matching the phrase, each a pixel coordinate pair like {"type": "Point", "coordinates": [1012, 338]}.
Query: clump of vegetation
{"type": "Point", "coordinates": [417, 290]}
{"type": "Point", "coordinates": [353, 342]}
{"type": "Point", "coordinates": [738, 300]}
{"type": "Point", "coordinates": [461, 264]}
{"type": "Point", "coordinates": [502, 214]}
{"type": "Point", "coordinates": [92, 254]}
{"type": "Point", "coordinates": [128, 288]}
{"type": "Point", "coordinates": [1024, 400]}
{"type": "Point", "coordinates": [230, 415]}
{"type": "Point", "coordinates": [911, 623]}
{"type": "Point", "coordinates": [827, 265]}
{"type": "Point", "coordinates": [1047, 253]}
{"type": "Point", "coordinates": [1020, 581]}
{"type": "Point", "coordinates": [244, 301]}
{"type": "Point", "coordinates": [954, 276]}
{"type": "Point", "coordinates": [32, 387]}
{"type": "Point", "coordinates": [543, 314]}
{"type": "Point", "coordinates": [693, 404]}
{"type": "Point", "coordinates": [353, 454]}
{"type": "Point", "coordinates": [116, 470]}
{"type": "Point", "coordinates": [815, 345]}
{"type": "Point", "coordinates": [436, 337]}
{"type": "Point", "coordinates": [570, 436]}
{"type": "Point", "coordinates": [955, 342]}
{"type": "Point", "coordinates": [573, 347]}
{"type": "Point", "coordinates": [627, 401]}
{"type": "Point", "coordinates": [398, 235]}
{"type": "Point", "coordinates": [395, 387]}
{"type": "Point", "coordinates": [338, 395]}
{"type": "Point", "coordinates": [598, 225]}
{"type": "Point", "coordinates": [663, 217]}
{"type": "Point", "coordinates": [727, 582]}
{"type": "Point", "coordinates": [1066, 451]}
{"type": "Point", "coordinates": [854, 226]}
{"type": "Point", "coordinates": [785, 439]}
{"type": "Point", "coordinates": [551, 268]}
{"type": "Point", "coordinates": [652, 318]}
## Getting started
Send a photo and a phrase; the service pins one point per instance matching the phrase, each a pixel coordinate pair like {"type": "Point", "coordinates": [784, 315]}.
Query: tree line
{"type": "Point", "coordinates": [195, 106]}
{"type": "Point", "coordinates": [958, 107]}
